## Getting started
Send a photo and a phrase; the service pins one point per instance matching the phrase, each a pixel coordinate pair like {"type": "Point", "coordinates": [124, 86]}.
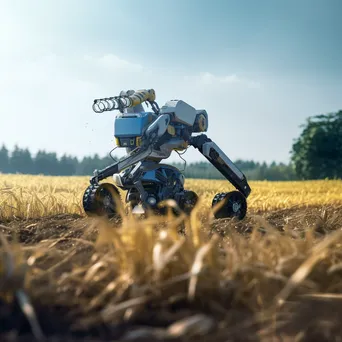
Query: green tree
{"type": "Point", "coordinates": [88, 164]}
{"type": "Point", "coordinates": [46, 163]}
{"type": "Point", "coordinates": [21, 161]}
{"type": "Point", "coordinates": [4, 160]}
{"type": "Point", "coordinates": [317, 153]}
{"type": "Point", "coordinates": [67, 166]}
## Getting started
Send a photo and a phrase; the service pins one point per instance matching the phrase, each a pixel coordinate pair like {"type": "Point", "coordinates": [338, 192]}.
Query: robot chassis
{"type": "Point", "coordinates": [150, 137]}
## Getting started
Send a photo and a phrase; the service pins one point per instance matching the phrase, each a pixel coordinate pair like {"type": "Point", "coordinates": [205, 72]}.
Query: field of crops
{"type": "Point", "coordinates": [24, 196]}
{"type": "Point", "coordinates": [274, 276]}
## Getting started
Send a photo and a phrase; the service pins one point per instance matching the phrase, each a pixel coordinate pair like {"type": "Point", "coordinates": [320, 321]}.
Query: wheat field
{"type": "Point", "coordinates": [25, 196]}
{"type": "Point", "coordinates": [274, 276]}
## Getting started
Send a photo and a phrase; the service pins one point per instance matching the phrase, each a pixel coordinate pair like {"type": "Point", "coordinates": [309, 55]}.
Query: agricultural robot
{"type": "Point", "coordinates": [150, 137]}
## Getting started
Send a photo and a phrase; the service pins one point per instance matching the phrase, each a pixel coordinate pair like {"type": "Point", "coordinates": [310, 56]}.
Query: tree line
{"type": "Point", "coordinates": [20, 160]}
{"type": "Point", "coordinates": [253, 170]}
{"type": "Point", "coordinates": [315, 154]}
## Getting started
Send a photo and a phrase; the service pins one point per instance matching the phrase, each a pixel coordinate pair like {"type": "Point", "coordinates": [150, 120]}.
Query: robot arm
{"type": "Point", "coordinates": [221, 162]}
{"type": "Point", "coordinates": [151, 137]}
{"type": "Point", "coordinates": [133, 158]}
{"type": "Point", "coordinates": [141, 96]}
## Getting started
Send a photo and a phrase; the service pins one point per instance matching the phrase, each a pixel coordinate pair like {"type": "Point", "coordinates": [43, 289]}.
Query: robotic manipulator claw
{"type": "Point", "coordinates": [150, 137]}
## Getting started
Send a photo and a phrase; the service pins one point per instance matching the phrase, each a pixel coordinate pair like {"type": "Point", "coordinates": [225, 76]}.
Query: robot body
{"type": "Point", "coordinates": [150, 137]}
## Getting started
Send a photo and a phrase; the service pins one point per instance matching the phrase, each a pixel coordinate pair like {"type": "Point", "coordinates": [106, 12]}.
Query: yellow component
{"type": "Point", "coordinates": [117, 141]}
{"type": "Point", "coordinates": [202, 123]}
{"type": "Point", "coordinates": [138, 141]}
{"type": "Point", "coordinates": [141, 96]}
{"type": "Point", "coordinates": [171, 130]}
{"type": "Point", "coordinates": [182, 147]}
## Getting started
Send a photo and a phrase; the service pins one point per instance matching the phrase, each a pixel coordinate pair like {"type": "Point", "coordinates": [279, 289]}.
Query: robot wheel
{"type": "Point", "coordinates": [189, 201]}
{"type": "Point", "coordinates": [235, 205]}
{"type": "Point", "coordinates": [101, 200]}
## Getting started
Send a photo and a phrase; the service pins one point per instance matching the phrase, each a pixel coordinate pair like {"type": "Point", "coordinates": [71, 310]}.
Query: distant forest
{"type": "Point", "coordinates": [47, 163]}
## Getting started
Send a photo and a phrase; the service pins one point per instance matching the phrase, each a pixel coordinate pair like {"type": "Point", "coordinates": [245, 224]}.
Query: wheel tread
{"type": "Point", "coordinates": [89, 202]}
{"type": "Point", "coordinates": [222, 196]}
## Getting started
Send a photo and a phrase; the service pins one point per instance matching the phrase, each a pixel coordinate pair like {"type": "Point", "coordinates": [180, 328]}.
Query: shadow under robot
{"type": "Point", "coordinates": [149, 137]}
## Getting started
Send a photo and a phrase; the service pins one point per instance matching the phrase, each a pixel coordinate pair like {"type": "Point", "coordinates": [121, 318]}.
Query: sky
{"type": "Point", "coordinates": [259, 68]}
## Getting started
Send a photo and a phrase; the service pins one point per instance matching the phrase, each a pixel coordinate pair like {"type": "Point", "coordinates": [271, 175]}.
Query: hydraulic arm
{"type": "Point", "coordinates": [133, 158]}
{"type": "Point", "coordinates": [221, 162]}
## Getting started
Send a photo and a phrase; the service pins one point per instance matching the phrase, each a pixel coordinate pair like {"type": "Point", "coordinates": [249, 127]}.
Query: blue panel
{"type": "Point", "coordinates": [150, 176]}
{"type": "Point", "coordinates": [130, 126]}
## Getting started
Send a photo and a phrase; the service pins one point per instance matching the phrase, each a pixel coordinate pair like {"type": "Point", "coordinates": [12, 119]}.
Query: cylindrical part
{"type": "Point", "coordinates": [141, 96]}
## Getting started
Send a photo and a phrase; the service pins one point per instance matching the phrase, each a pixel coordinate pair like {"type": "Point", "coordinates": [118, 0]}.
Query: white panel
{"type": "Point", "coordinates": [183, 112]}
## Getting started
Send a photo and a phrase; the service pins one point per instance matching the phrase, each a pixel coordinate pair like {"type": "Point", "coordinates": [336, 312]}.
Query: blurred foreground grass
{"type": "Point", "coordinates": [278, 272]}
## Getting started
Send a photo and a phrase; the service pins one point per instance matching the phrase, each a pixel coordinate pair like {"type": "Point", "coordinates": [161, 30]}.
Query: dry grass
{"type": "Point", "coordinates": [23, 196]}
{"type": "Point", "coordinates": [277, 272]}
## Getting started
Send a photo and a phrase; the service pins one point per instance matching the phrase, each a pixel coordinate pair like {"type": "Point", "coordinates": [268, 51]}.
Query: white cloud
{"type": "Point", "coordinates": [208, 78]}
{"type": "Point", "coordinates": [113, 63]}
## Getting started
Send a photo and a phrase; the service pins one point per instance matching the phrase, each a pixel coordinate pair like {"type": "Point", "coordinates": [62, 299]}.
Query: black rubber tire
{"type": "Point", "coordinates": [189, 201]}
{"type": "Point", "coordinates": [101, 200]}
{"type": "Point", "coordinates": [235, 205]}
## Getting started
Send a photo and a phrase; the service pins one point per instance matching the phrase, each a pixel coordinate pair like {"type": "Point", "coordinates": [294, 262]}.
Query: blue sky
{"type": "Point", "coordinates": [259, 68]}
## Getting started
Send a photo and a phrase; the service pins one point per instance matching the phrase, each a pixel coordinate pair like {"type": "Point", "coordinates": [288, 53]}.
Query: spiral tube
{"type": "Point", "coordinates": [111, 103]}
{"type": "Point", "coordinates": [124, 101]}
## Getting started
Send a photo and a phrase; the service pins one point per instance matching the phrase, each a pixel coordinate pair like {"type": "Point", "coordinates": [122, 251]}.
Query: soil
{"type": "Point", "coordinates": [56, 323]}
